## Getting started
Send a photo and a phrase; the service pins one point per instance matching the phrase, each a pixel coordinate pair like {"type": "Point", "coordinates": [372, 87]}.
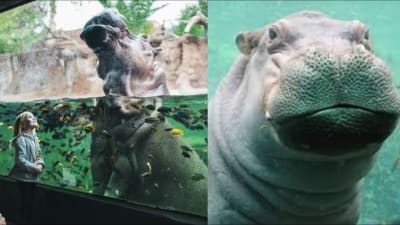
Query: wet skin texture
{"type": "Point", "coordinates": [297, 123]}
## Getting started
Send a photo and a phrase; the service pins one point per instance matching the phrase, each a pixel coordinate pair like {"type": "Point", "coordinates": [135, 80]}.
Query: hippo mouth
{"type": "Point", "coordinates": [99, 37]}
{"type": "Point", "coordinates": [335, 130]}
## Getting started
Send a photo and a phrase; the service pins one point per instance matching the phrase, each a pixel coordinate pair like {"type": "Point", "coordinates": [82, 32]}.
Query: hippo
{"type": "Point", "coordinates": [298, 122]}
{"type": "Point", "coordinates": [134, 157]}
{"type": "Point", "coordinates": [125, 61]}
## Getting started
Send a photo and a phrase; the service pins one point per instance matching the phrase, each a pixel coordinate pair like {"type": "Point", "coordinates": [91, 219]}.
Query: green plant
{"type": "Point", "coordinates": [188, 13]}
{"type": "Point", "coordinates": [23, 27]}
{"type": "Point", "coordinates": [136, 13]}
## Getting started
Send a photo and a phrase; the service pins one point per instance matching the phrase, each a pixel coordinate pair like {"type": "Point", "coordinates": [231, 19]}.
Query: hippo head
{"type": "Point", "coordinates": [102, 30]}
{"type": "Point", "coordinates": [125, 61]}
{"type": "Point", "coordinates": [318, 84]}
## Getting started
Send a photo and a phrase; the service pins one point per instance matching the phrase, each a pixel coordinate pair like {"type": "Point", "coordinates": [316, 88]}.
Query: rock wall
{"type": "Point", "coordinates": [184, 60]}
{"type": "Point", "coordinates": [58, 69]}
{"type": "Point", "coordinates": [64, 67]}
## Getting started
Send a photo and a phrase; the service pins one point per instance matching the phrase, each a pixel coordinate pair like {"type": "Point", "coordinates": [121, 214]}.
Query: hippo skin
{"type": "Point", "coordinates": [141, 162]}
{"type": "Point", "coordinates": [297, 123]}
{"type": "Point", "coordinates": [132, 159]}
{"type": "Point", "coordinates": [126, 62]}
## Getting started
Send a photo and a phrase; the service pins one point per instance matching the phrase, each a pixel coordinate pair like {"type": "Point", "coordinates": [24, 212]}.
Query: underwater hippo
{"type": "Point", "coordinates": [297, 123]}
{"type": "Point", "coordinates": [135, 157]}
{"type": "Point", "coordinates": [125, 61]}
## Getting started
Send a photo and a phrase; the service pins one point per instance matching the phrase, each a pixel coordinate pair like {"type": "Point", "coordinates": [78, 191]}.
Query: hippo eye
{"type": "Point", "coordinates": [275, 38]}
{"type": "Point", "coordinates": [272, 34]}
{"type": "Point", "coordinates": [365, 41]}
{"type": "Point", "coordinates": [366, 35]}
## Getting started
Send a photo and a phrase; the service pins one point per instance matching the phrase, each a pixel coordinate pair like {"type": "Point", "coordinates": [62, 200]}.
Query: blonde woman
{"type": "Point", "coordinates": [28, 164]}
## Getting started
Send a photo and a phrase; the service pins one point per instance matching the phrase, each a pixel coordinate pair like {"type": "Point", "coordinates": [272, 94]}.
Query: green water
{"type": "Point", "coordinates": [198, 106]}
{"type": "Point", "coordinates": [65, 138]}
{"type": "Point", "coordinates": [60, 141]}
{"type": "Point", "coordinates": [381, 190]}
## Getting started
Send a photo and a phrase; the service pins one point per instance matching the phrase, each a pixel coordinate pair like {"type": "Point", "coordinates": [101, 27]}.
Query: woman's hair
{"type": "Point", "coordinates": [20, 124]}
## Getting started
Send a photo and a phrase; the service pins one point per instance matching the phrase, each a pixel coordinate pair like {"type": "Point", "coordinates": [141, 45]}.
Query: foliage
{"type": "Point", "coordinates": [21, 28]}
{"type": "Point", "coordinates": [188, 13]}
{"type": "Point", "coordinates": [136, 13]}
{"type": "Point", "coordinates": [105, 3]}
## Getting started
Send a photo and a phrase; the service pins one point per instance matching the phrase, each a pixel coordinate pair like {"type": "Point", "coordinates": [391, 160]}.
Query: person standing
{"type": "Point", "coordinates": [28, 164]}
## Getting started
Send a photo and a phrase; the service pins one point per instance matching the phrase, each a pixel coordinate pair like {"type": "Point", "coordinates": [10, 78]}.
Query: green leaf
{"type": "Point", "coordinates": [136, 13]}
{"type": "Point", "coordinates": [188, 13]}
{"type": "Point", "coordinates": [22, 28]}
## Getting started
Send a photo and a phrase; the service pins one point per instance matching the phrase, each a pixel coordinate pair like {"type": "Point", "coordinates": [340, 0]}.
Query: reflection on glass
{"type": "Point", "coordinates": [95, 139]}
{"type": "Point", "coordinates": [41, 50]}
{"type": "Point", "coordinates": [145, 152]}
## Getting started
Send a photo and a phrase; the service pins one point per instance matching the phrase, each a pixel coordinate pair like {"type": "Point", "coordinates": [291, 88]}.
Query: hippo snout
{"type": "Point", "coordinates": [321, 80]}
{"type": "Point", "coordinates": [334, 103]}
{"type": "Point", "coordinates": [337, 130]}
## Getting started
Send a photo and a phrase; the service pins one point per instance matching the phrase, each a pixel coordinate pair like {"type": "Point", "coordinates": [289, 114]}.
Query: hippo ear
{"type": "Point", "coordinates": [247, 41]}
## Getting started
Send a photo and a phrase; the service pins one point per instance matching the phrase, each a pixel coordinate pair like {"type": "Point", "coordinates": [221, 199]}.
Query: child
{"type": "Point", "coordinates": [28, 164]}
